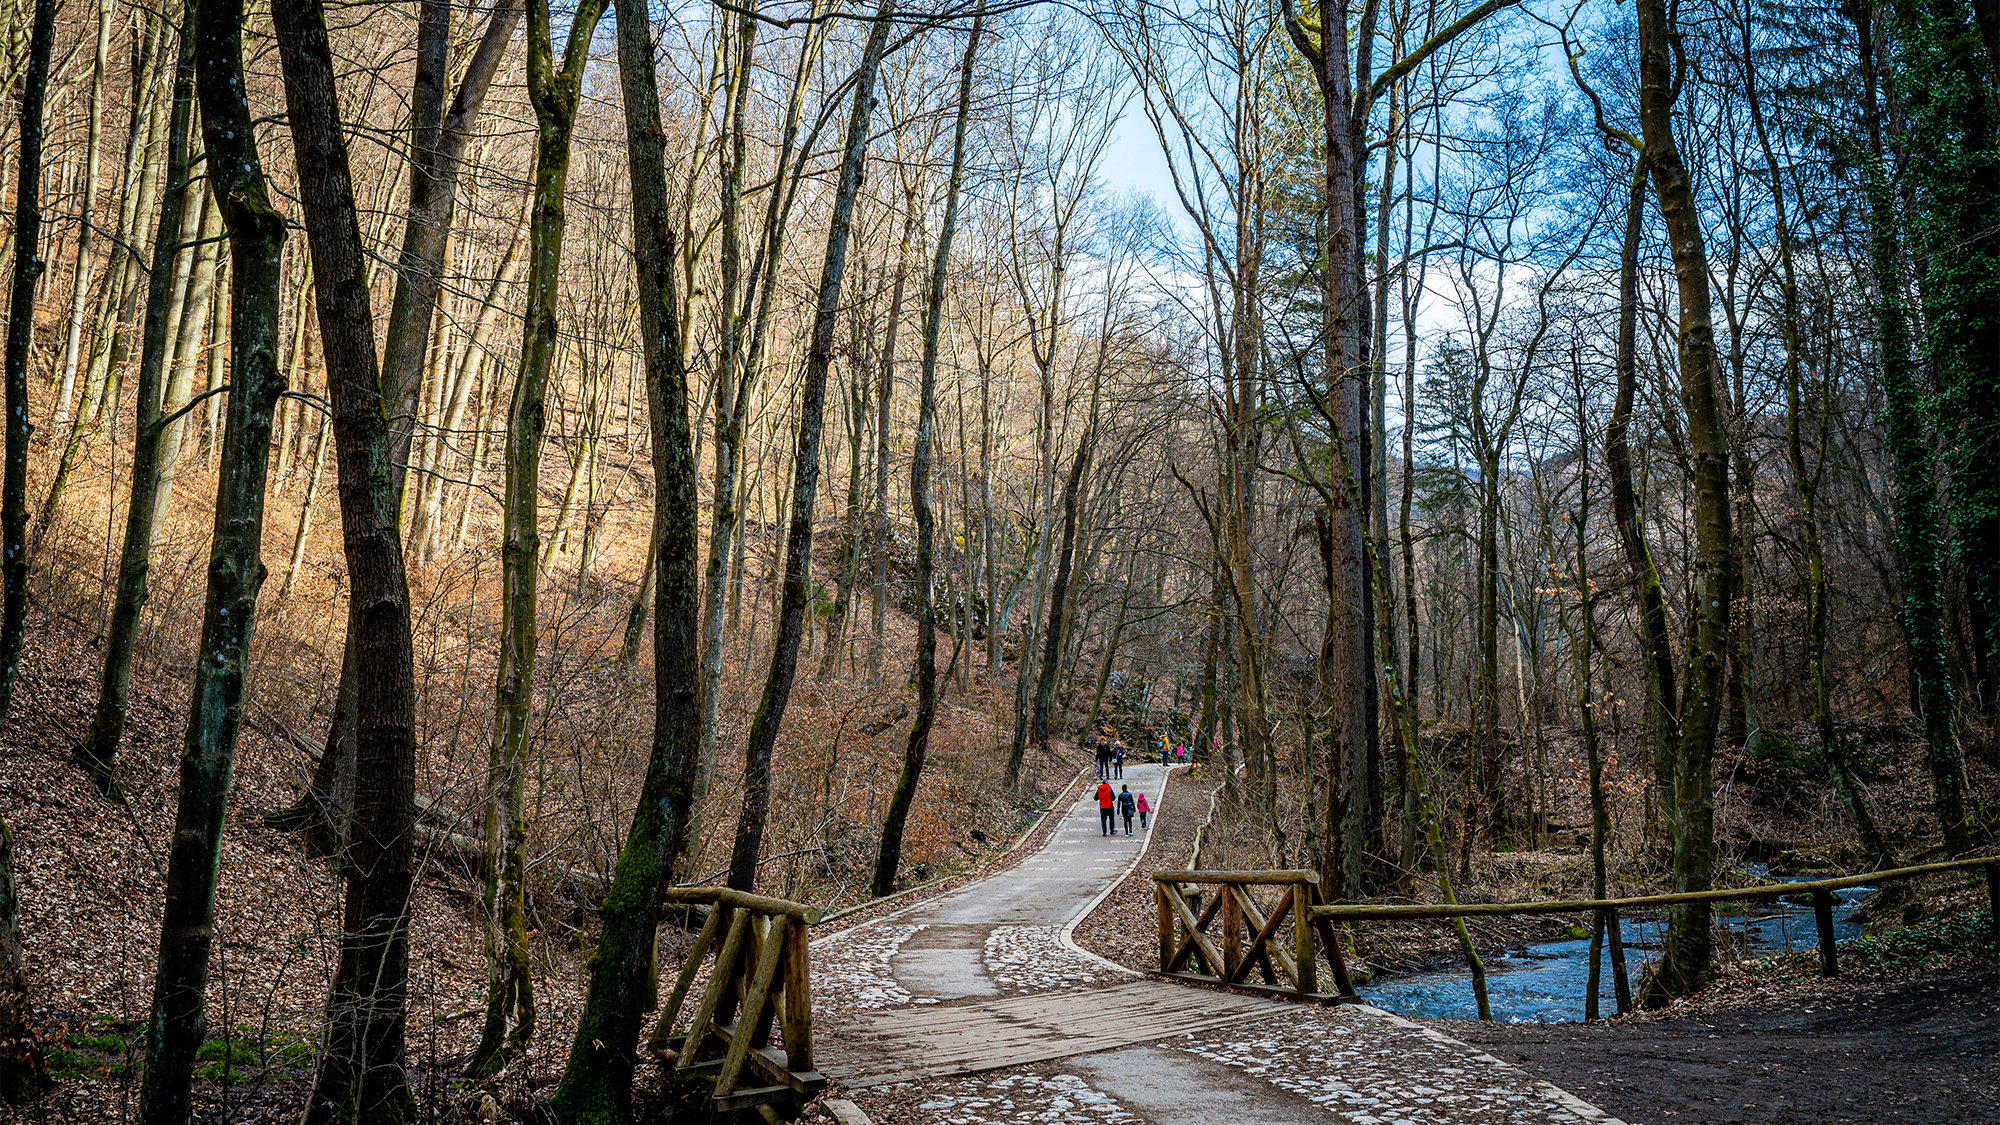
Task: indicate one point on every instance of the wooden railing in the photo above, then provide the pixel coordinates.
(1609, 910)
(1190, 930)
(759, 985)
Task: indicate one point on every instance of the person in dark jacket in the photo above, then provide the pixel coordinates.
(1126, 807)
(1103, 758)
(1105, 799)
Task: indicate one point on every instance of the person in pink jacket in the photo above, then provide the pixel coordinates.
(1144, 808)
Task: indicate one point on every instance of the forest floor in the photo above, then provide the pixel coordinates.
(1916, 1049)
(90, 874)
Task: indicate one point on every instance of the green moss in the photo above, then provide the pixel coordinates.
(63, 1061)
(227, 1058)
(1900, 948)
(102, 1044)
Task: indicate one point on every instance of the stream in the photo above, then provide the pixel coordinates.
(1545, 982)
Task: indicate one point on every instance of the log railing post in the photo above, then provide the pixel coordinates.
(1166, 912)
(797, 1019)
(1829, 954)
(1302, 933)
(1621, 983)
(1232, 932)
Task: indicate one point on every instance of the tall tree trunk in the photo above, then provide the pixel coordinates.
(23, 1074)
(920, 487)
(739, 363)
(235, 569)
(884, 394)
(437, 157)
(1662, 702)
(1347, 670)
(1805, 485)
(361, 1076)
(805, 471)
(1052, 653)
(28, 266)
(1684, 962)
(437, 152)
(86, 245)
(510, 1004)
(1583, 642)
(596, 1085)
(97, 751)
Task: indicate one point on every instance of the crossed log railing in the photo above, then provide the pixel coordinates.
(1204, 941)
(1820, 891)
(759, 987)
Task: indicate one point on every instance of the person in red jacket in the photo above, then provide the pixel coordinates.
(1105, 814)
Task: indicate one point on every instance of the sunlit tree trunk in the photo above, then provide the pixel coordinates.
(98, 749)
(805, 472)
(918, 746)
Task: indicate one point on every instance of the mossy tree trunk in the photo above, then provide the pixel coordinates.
(1950, 128)
(554, 92)
(1684, 962)
(596, 1085)
(177, 1024)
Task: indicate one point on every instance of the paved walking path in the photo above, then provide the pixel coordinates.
(977, 1008)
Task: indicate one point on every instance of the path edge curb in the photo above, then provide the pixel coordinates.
(845, 1112)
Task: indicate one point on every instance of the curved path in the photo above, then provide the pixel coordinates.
(976, 1007)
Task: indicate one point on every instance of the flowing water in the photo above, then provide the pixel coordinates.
(1545, 983)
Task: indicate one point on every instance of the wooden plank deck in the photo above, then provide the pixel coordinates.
(905, 1044)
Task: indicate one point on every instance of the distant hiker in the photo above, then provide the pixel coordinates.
(1165, 749)
(1103, 758)
(1143, 810)
(1118, 758)
(1180, 755)
(1126, 806)
(1105, 799)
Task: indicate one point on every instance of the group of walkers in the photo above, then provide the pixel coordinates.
(1124, 802)
(1111, 754)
